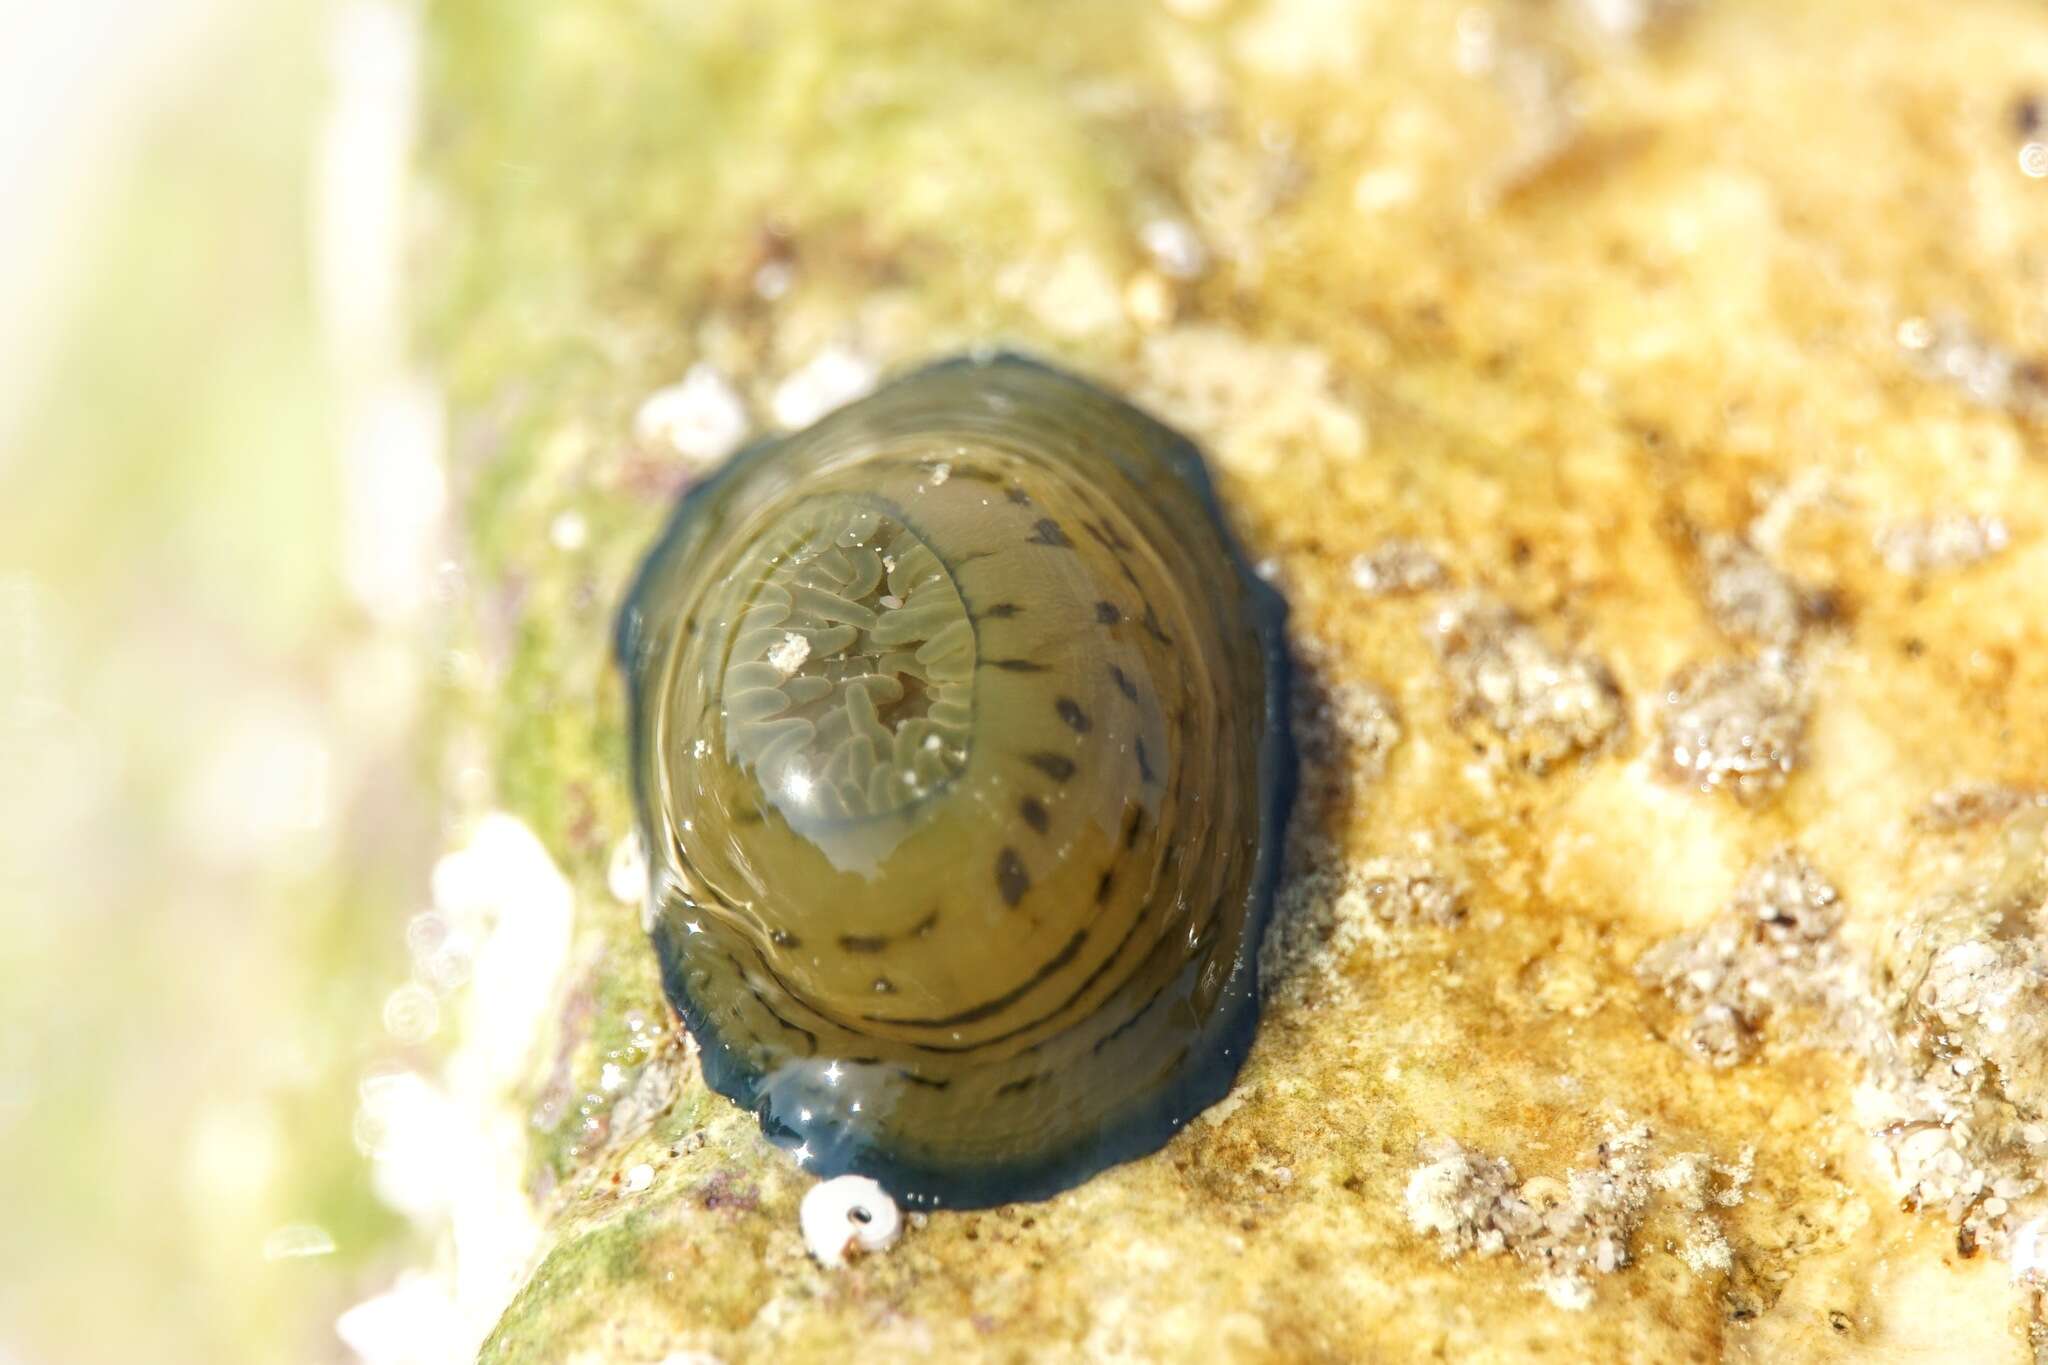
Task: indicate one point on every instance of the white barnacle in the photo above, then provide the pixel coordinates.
(848, 1214)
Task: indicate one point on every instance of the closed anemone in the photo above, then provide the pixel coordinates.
(959, 746)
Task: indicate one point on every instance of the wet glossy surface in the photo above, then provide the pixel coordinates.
(958, 737)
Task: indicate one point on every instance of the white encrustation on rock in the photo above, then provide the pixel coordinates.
(700, 418)
(848, 1214)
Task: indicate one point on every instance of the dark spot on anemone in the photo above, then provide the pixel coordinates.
(1109, 536)
(1070, 712)
(1058, 767)
(1046, 531)
(1034, 813)
(1011, 878)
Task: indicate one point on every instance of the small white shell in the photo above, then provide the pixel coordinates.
(850, 1211)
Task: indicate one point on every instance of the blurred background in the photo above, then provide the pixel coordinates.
(219, 509)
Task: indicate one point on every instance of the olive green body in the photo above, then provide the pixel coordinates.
(962, 768)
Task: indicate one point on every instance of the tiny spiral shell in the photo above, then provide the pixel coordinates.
(847, 1213)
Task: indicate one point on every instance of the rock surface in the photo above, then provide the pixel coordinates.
(1553, 359)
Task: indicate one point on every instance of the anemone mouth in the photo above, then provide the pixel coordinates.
(849, 686)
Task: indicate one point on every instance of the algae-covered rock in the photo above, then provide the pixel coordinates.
(1641, 407)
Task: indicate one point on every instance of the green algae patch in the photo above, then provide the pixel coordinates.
(567, 1292)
